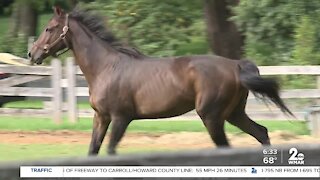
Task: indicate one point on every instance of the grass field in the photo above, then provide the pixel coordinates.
(39, 150)
(85, 124)
(16, 152)
(35, 104)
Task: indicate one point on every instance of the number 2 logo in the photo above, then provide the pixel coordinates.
(295, 155)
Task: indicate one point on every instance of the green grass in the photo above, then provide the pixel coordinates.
(85, 124)
(10, 152)
(38, 150)
(25, 104)
(36, 104)
(36, 124)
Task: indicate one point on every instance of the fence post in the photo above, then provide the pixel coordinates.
(317, 100)
(314, 121)
(30, 42)
(57, 91)
(71, 91)
(318, 82)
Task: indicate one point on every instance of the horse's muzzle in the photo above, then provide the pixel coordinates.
(35, 57)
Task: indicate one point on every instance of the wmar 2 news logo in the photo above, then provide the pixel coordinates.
(296, 157)
(272, 156)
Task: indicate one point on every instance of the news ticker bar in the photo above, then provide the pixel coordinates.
(169, 171)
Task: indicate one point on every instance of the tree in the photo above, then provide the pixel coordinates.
(24, 21)
(28, 17)
(24, 18)
(224, 37)
(157, 28)
(270, 29)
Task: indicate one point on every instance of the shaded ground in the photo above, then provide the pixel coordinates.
(181, 140)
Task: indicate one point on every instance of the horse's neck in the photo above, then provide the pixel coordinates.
(89, 54)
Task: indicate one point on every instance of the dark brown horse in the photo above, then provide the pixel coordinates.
(125, 85)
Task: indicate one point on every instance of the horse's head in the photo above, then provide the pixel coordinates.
(52, 39)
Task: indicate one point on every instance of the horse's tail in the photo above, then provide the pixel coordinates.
(262, 88)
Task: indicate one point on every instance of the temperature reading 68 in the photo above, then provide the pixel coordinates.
(269, 160)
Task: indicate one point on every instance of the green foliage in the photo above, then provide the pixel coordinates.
(281, 33)
(14, 45)
(270, 28)
(43, 6)
(156, 27)
(305, 50)
(267, 25)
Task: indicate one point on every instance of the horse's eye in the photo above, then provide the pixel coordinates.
(48, 30)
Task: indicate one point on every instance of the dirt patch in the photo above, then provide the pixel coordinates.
(181, 140)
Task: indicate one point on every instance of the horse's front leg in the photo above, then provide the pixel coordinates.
(119, 126)
(100, 126)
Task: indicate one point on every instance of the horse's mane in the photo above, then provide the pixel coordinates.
(97, 26)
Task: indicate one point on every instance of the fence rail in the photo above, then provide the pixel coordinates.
(289, 70)
(27, 70)
(285, 94)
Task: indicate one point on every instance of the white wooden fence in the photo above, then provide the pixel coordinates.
(24, 74)
(66, 78)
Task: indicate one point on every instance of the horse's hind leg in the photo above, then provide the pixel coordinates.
(247, 125)
(214, 122)
(240, 119)
(100, 126)
(215, 127)
(119, 126)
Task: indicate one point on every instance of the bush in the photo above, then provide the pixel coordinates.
(15, 45)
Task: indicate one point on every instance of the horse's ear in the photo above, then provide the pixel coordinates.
(58, 11)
